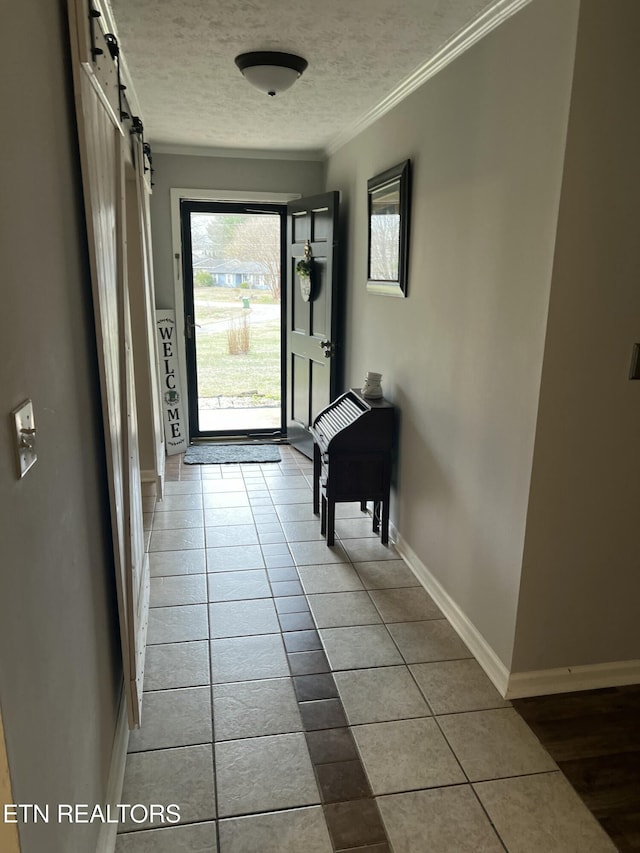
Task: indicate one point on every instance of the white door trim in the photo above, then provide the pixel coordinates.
(177, 195)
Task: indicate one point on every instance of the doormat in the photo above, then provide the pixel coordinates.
(222, 454)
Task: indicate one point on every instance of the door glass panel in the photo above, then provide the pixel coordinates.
(236, 261)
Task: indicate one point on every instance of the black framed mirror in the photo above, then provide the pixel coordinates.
(388, 222)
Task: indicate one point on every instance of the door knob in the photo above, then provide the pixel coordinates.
(329, 350)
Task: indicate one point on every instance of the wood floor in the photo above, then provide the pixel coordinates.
(594, 737)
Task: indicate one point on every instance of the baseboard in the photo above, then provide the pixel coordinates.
(516, 685)
(479, 647)
(148, 476)
(569, 679)
(108, 831)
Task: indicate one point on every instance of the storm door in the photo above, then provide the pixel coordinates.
(233, 275)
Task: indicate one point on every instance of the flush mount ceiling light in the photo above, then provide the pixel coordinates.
(270, 71)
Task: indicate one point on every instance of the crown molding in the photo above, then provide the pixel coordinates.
(312, 156)
(457, 44)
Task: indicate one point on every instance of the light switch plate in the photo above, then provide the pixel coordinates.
(25, 437)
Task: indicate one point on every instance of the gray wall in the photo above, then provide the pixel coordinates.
(581, 579)
(60, 675)
(462, 355)
(216, 173)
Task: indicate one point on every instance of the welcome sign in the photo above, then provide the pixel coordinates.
(175, 420)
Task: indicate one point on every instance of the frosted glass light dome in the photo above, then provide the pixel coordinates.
(270, 71)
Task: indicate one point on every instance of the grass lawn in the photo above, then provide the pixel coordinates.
(256, 374)
(208, 301)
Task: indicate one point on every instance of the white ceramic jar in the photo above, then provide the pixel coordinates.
(372, 387)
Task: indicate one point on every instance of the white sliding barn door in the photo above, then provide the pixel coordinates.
(103, 151)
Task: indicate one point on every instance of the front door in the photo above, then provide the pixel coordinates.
(233, 317)
(312, 314)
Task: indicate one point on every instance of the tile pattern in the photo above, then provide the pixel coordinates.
(315, 699)
(541, 812)
(594, 737)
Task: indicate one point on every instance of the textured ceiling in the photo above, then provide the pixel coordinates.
(180, 54)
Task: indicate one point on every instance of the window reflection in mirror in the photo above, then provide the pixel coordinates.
(385, 233)
(388, 215)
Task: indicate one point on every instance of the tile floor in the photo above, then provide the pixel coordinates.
(305, 699)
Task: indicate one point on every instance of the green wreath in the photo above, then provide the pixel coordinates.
(304, 267)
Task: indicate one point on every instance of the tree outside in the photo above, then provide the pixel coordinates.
(203, 279)
(253, 238)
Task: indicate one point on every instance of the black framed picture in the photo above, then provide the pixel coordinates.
(388, 222)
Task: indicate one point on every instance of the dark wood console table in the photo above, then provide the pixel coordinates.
(352, 446)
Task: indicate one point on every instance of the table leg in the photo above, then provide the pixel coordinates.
(331, 521)
(385, 521)
(376, 516)
(316, 479)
